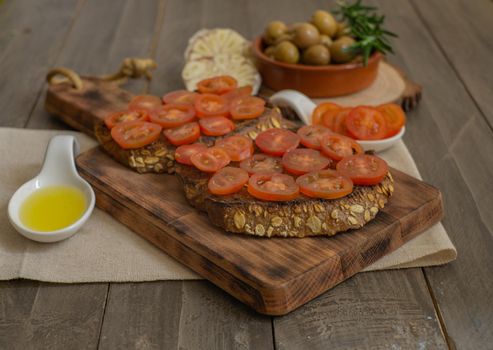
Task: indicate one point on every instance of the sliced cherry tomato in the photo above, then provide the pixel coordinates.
(238, 92)
(310, 135)
(181, 97)
(273, 187)
(363, 169)
(262, 164)
(135, 134)
(394, 116)
(216, 126)
(320, 110)
(146, 102)
(227, 180)
(218, 85)
(366, 123)
(334, 120)
(183, 135)
(303, 160)
(171, 115)
(184, 152)
(326, 184)
(124, 117)
(209, 105)
(246, 107)
(238, 147)
(210, 160)
(276, 142)
(337, 146)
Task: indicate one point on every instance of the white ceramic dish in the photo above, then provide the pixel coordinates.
(304, 106)
(58, 169)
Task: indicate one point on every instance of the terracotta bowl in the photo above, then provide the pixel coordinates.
(315, 81)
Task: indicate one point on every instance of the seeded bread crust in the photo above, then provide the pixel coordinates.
(305, 216)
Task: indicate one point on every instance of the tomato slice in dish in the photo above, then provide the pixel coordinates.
(238, 147)
(276, 142)
(303, 160)
(216, 126)
(184, 152)
(227, 180)
(320, 110)
(181, 97)
(363, 169)
(326, 184)
(210, 160)
(262, 164)
(334, 120)
(146, 102)
(125, 116)
(218, 85)
(246, 107)
(310, 135)
(238, 92)
(209, 105)
(183, 135)
(394, 116)
(273, 187)
(135, 134)
(337, 146)
(366, 123)
(172, 115)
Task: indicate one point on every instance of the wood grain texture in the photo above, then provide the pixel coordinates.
(37, 315)
(180, 315)
(369, 311)
(448, 138)
(274, 276)
(29, 47)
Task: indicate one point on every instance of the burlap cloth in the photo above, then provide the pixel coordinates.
(105, 250)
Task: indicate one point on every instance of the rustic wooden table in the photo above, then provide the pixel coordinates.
(446, 45)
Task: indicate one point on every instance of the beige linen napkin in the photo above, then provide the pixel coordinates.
(105, 250)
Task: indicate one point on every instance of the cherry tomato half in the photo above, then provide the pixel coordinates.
(184, 152)
(238, 147)
(183, 135)
(124, 117)
(366, 123)
(394, 116)
(326, 184)
(216, 126)
(363, 169)
(146, 102)
(310, 135)
(227, 180)
(172, 115)
(304, 160)
(210, 160)
(181, 97)
(238, 92)
(246, 107)
(273, 187)
(320, 110)
(334, 120)
(218, 85)
(276, 142)
(209, 105)
(337, 146)
(262, 164)
(135, 134)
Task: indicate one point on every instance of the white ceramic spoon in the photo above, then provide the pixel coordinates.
(58, 169)
(304, 107)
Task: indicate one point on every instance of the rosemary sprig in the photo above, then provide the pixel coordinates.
(367, 28)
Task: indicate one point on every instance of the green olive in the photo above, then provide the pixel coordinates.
(269, 51)
(316, 55)
(341, 51)
(305, 35)
(286, 52)
(284, 37)
(273, 31)
(326, 40)
(342, 30)
(325, 22)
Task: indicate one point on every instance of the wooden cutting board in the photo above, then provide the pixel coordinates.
(273, 276)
